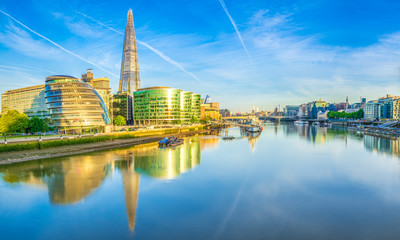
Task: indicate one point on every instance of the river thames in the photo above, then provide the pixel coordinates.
(290, 182)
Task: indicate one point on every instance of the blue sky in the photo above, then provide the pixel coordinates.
(297, 51)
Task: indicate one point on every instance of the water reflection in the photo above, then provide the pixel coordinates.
(320, 135)
(72, 179)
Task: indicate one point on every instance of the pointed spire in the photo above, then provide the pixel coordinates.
(130, 77)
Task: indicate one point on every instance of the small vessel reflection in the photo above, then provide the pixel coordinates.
(170, 142)
(300, 122)
(229, 138)
(325, 124)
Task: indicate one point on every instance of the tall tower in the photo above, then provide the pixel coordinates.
(130, 79)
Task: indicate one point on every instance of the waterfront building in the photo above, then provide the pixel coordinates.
(130, 77)
(340, 106)
(122, 106)
(372, 110)
(164, 105)
(102, 86)
(74, 105)
(209, 109)
(291, 110)
(28, 100)
(390, 107)
(225, 112)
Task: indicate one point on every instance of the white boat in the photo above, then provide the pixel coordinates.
(301, 123)
(315, 123)
(254, 129)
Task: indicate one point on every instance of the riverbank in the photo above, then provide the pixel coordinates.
(75, 149)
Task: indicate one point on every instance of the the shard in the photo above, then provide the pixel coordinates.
(130, 78)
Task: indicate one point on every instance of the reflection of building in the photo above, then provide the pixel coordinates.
(168, 163)
(71, 180)
(73, 104)
(29, 100)
(165, 105)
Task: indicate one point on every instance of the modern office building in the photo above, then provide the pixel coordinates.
(209, 109)
(372, 110)
(74, 105)
(29, 100)
(122, 106)
(130, 77)
(291, 110)
(390, 107)
(164, 105)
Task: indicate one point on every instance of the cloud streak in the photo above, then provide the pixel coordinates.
(236, 29)
(159, 53)
(59, 46)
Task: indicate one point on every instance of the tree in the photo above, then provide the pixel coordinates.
(194, 119)
(13, 122)
(36, 125)
(119, 121)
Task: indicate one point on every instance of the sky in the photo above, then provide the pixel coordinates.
(241, 53)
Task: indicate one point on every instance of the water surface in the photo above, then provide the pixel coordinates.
(287, 183)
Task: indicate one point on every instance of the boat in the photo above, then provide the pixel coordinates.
(254, 129)
(229, 138)
(301, 122)
(315, 123)
(325, 124)
(170, 142)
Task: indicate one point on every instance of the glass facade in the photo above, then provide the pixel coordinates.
(74, 103)
(164, 105)
(130, 78)
(122, 105)
(30, 100)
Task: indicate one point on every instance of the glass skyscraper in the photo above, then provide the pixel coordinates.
(130, 78)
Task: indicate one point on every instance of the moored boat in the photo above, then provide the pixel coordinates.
(170, 142)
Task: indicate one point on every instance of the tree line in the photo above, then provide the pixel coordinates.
(354, 115)
(16, 122)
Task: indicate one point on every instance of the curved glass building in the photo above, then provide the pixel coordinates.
(74, 104)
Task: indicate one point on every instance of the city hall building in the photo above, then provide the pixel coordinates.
(74, 105)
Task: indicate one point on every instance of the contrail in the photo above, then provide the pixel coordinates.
(159, 53)
(27, 69)
(236, 29)
(57, 45)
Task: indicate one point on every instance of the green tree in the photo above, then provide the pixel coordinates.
(194, 119)
(119, 121)
(36, 125)
(13, 122)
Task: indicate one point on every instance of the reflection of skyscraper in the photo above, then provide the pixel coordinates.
(131, 189)
(130, 79)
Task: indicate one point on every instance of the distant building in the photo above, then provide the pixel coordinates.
(340, 106)
(102, 86)
(209, 109)
(74, 105)
(164, 105)
(28, 100)
(390, 107)
(372, 110)
(322, 115)
(225, 112)
(122, 106)
(291, 110)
